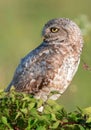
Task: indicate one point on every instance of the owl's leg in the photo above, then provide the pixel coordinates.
(40, 109)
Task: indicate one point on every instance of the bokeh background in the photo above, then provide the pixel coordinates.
(21, 22)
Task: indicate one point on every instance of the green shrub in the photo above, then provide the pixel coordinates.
(19, 111)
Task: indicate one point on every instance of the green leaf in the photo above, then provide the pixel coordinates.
(26, 99)
(31, 105)
(4, 120)
(39, 103)
(18, 114)
(87, 110)
(73, 117)
(53, 117)
(47, 109)
(41, 128)
(88, 120)
(78, 127)
(24, 110)
(31, 123)
(81, 127)
(55, 125)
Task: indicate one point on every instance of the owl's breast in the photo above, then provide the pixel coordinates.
(65, 74)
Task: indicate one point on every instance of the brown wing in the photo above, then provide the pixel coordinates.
(36, 69)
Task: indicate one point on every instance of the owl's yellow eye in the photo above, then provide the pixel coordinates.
(54, 29)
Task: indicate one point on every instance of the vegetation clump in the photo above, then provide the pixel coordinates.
(19, 111)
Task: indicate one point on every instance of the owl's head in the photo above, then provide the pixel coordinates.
(61, 30)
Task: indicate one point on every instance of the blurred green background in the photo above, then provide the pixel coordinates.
(21, 22)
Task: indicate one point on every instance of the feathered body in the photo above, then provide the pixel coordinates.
(53, 64)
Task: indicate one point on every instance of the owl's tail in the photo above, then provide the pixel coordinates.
(8, 88)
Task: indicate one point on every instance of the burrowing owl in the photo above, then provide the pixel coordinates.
(53, 64)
